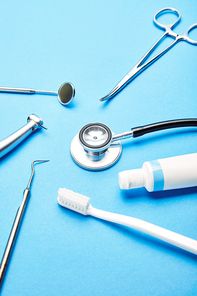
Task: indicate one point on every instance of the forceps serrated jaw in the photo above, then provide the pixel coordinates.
(119, 86)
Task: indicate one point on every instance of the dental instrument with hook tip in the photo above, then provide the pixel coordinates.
(16, 225)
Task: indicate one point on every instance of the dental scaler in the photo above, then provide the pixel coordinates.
(16, 225)
(162, 174)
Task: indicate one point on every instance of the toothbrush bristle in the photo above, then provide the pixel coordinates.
(73, 201)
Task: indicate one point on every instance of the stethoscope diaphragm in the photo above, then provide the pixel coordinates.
(91, 148)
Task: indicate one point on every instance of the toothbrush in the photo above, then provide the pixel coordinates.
(81, 204)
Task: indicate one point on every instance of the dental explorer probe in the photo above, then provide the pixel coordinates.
(65, 93)
(16, 225)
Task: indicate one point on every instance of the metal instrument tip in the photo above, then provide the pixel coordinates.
(104, 98)
(42, 126)
(32, 174)
(114, 91)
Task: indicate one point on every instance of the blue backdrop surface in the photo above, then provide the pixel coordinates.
(93, 44)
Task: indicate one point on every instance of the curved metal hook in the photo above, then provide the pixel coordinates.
(32, 174)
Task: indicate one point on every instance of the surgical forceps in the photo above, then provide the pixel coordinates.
(142, 65)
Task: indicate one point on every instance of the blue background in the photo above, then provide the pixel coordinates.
(93, 44)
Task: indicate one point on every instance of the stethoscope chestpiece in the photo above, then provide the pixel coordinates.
(95, 138)
(92, 147)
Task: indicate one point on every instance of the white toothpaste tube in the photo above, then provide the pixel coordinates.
(162, 174)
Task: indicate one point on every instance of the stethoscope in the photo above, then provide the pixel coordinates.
(96, 147)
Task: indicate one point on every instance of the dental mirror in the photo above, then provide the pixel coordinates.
(96, 147)
(65, 93)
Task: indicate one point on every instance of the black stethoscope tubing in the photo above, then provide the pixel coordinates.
(136, 131)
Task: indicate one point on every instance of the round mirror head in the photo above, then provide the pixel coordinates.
(95, 136)
(66, 93)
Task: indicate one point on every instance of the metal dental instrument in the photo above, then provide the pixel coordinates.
(142, 64)
(96, 148)
(33, 123)
(65, 93)
(16, 225)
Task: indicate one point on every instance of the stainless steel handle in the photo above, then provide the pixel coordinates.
(17, 90)
(26, 91)
(16, 226)
(13, 235)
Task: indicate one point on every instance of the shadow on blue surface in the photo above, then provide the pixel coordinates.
(130, 194)
(150, 241)
(141, 237)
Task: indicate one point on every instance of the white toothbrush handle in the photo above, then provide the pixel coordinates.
(168, 236)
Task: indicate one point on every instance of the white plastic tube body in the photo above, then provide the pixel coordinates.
(162, 174)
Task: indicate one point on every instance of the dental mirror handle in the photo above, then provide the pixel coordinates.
(25, 91)
(6, 145)
(149, 128)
